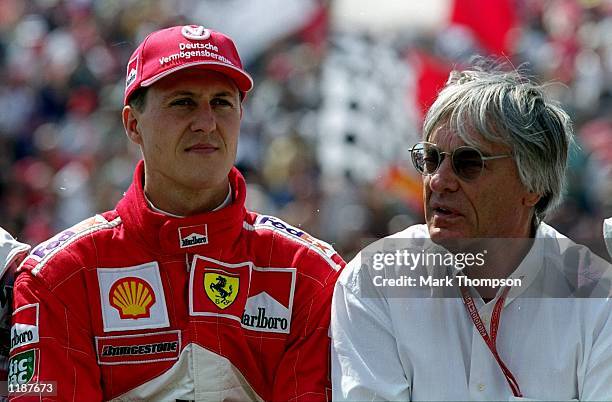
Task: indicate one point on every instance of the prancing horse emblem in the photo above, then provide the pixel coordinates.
(221, 289)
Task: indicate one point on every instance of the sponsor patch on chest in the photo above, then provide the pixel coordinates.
(132, 298)
(260, 299)
(192, 236)
(217, 288)
(141, 348)
(270, 302)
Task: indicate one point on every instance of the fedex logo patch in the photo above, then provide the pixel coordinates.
(61, 239)
(25, 326)
(190, 236)
(324, 249)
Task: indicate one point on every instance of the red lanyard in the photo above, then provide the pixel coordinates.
(490, 340)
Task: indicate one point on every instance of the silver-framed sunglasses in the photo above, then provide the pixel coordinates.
(467, 161)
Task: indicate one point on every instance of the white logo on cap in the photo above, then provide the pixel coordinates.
(132, 72)
(195, 32)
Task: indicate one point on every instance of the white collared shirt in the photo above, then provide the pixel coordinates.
(393, 348)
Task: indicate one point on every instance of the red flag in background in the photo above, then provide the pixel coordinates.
(431, 75)
(316, 30)
(489, 20)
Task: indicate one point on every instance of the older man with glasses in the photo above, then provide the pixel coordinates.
(485, 301)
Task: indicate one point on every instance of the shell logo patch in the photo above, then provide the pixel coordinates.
(221, 289)
(132, 297)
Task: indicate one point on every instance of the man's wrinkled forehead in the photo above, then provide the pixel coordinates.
(448, 138)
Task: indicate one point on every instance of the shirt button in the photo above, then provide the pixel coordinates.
(481, 387)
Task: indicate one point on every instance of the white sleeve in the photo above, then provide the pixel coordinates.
(607, 233)
(365, 361)
(597, 382)
(11, 251)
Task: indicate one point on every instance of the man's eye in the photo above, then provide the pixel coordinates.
(182, 102)
(221, 102)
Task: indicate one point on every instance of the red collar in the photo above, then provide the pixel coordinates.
(197, 234)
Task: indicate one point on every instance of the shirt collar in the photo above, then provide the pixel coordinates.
(527, 270)
(213, 231)
(227, 201)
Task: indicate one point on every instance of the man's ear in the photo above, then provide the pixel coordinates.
(130, 124)
(531, 199)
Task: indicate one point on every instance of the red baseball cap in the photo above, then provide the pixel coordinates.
(172, 49)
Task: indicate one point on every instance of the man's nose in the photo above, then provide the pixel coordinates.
(444, 179)
(204, 119)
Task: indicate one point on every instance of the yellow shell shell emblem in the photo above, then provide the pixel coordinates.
(133, 297)
(221, 289)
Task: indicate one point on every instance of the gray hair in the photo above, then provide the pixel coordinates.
(505, 107)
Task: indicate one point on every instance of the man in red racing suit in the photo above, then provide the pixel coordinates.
(145, 303)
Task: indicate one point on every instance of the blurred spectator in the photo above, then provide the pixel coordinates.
(326, 130)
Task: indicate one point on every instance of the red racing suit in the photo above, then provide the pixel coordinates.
(136, 305)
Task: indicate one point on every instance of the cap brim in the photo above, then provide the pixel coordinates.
(243, 81)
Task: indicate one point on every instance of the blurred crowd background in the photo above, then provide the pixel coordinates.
(340, 90)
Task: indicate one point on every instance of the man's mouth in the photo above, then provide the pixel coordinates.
(443, 215)
(443, 211)
(202, 148)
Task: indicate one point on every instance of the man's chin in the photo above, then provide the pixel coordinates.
(441, 233)
(452, 239)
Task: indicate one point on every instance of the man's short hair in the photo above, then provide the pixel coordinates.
(506, 107)
(138, 99)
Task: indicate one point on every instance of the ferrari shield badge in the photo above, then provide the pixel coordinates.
(221, 289)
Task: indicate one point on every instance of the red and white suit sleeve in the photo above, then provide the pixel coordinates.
(64, 353)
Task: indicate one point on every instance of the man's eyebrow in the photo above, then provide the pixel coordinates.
(184, 92)
(225, 93)
(173, 94)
